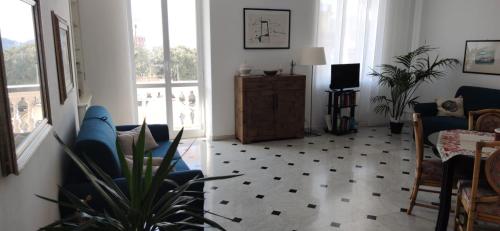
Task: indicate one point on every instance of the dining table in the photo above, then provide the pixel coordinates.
(455, 148)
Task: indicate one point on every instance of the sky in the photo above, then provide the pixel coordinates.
(20, 13)
(146, 14)
(182, 22)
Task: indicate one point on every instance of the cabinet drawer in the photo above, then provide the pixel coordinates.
(291, 83)
(257, 84)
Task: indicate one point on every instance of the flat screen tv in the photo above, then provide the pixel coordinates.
(345, 76)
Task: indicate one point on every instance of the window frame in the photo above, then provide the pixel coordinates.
(12, 157)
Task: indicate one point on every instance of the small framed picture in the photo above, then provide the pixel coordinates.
(482, 57)
(64, 63)
(266, 28)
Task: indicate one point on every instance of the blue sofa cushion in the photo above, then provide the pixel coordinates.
(433, 124)
(97, 140)
(477, 98)
(161, 150)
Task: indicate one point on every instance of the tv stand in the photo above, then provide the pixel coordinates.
(342, 111)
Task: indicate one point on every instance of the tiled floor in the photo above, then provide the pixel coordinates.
(353, 182)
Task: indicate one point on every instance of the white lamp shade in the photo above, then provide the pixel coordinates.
(312, 56)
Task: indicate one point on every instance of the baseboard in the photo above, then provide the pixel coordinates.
(223, 137)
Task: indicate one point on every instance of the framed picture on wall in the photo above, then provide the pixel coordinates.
(266, 28)
(482, 57)
(62, 41)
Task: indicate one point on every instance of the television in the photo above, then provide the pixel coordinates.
(344, 76)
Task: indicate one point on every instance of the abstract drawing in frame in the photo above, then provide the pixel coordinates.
(266, 28)
(482, 57)
(63, 56)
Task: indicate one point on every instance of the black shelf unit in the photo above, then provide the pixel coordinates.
(342, 120)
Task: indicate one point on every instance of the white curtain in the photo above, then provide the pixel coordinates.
(351, 32)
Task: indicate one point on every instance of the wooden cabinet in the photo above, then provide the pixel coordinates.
(269, 108)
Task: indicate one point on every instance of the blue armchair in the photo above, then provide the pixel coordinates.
(475, 98)
(97, 139)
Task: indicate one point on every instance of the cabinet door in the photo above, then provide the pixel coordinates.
(289, 115)
(259, 115)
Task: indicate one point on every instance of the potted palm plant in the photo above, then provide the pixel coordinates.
(403, 78)
(143, 207)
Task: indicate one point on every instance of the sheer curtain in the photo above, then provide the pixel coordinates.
(351, 32)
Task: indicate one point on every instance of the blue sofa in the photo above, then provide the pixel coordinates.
(97, 139)
(475, 98)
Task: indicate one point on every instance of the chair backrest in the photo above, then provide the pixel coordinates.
(477, 166)
(486, 120)
(492, 170)
(419, 140)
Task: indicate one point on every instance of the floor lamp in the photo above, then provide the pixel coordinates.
(312, 56)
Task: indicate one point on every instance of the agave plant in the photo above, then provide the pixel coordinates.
(145, 209)
(404, 77)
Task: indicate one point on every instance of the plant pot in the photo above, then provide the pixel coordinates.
(396, 127)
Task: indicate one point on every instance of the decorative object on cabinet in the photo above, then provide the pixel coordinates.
(64, 61)
(266, 28)
(292, 67)
(245, 69)
(270, 72)
(268, 108)
(481, 57)
(312, 56)
(342, 111)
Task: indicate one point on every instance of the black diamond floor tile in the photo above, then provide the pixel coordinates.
(335, 224)
(237, 219)
(276, 213)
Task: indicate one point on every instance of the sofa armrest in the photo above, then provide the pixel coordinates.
(159, 131)
(83, 190)
(426, 109)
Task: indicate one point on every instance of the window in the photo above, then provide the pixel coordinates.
(23, 87)
(167, 64)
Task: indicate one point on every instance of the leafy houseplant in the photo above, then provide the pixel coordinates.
(145, 209)
(403, 79)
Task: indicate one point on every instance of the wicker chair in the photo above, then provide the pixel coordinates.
(480, 201)
(428, 172)
(486, 120)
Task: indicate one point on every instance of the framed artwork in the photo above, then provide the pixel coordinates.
(482, 57)
(266, 28)
(63, 56)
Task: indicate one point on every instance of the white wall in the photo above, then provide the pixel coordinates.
(227, 53)
(447, 24)
(106, 41)
(207, 66)
(19, 208)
